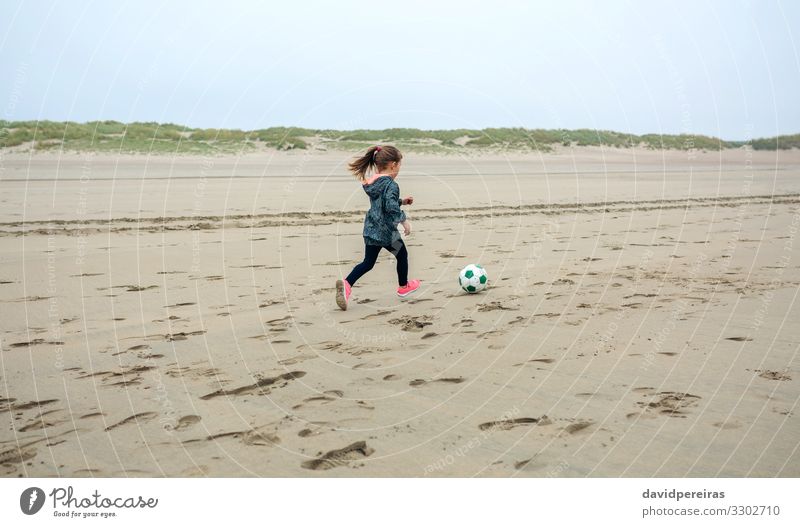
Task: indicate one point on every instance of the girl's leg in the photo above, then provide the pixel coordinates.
(370, 257)
(401, 253)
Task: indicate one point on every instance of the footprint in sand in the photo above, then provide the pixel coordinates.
(340, 457)
(261, 387)
(327, 345)
(139, 347)
(196, 371)
(525, 463)
(252, 437)
(257, 438)
(672, 404)
(449, 380)
(180, 304)
(727, 425)
(296, 360)
(186, 421)
(378, 314)
(122, 377)
(327, 397)
(139, 419)
(418, 300)
(310, 432)
(373, 364)
(138, 288)
(577, 426)
(170, 337)
(9, 405)
(774, 375)
(508, 424)
(34, 298)
(40, 423)
(279, 324)
(542, 360)
(494, 306)
(412, 323)
(36, 342)
(16, 455)
(183, 335)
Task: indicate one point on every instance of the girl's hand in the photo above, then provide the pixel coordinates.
(408, 201)
(406, 227)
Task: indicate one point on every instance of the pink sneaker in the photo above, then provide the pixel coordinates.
(409, 288)
(342, 294)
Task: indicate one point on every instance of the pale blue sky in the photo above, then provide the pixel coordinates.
(729, 69)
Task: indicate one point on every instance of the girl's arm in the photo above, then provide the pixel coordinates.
(392, 203)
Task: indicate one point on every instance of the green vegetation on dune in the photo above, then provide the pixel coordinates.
(151, 137)
(781, 142)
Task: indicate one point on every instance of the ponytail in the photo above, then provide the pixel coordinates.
(376, 157)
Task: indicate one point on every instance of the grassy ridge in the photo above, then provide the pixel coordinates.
(150, 137)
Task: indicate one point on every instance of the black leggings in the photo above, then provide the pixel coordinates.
(398, 249)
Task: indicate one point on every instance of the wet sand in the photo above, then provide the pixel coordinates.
(175, 317)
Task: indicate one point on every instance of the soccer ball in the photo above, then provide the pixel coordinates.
(473, 278)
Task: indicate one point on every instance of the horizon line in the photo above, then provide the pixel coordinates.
(522, 128)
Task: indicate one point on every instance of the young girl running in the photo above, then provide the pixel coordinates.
(383, 216)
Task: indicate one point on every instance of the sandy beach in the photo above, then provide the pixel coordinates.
(175, 317)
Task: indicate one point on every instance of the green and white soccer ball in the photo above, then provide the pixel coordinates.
(473, 278)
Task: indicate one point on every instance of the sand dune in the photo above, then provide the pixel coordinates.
(640, 321)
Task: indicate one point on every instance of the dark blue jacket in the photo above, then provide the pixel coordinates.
(384, 214)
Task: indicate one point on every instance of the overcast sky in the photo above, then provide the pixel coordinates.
(728, 69)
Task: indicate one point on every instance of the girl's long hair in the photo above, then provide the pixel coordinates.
(376, 157)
